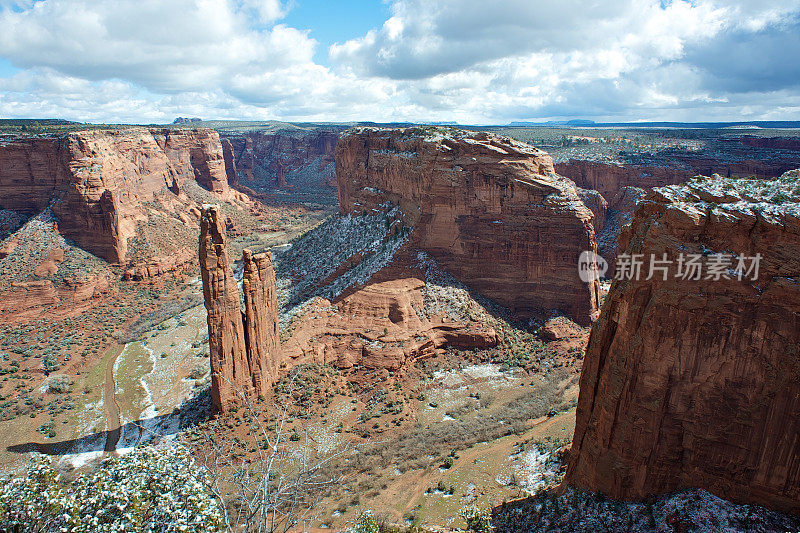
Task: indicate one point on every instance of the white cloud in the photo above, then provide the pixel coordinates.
(464, 60)
(170, 46)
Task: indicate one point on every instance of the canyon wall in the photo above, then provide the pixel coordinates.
(490, 209)
(609, 179)
(292, 165)
(618, 213)
(739, 157)
(695, 383)
(31, 170)
(97, 181)
(770, 143)
(244, 347)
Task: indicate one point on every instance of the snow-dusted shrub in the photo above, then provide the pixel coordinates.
(151, 489)
(58, 383)
(478, 520)
(367, 523)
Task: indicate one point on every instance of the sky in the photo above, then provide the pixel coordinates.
(465, 61)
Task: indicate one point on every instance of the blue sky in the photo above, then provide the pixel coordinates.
(6, 68)
(468, 61)
(331, 21)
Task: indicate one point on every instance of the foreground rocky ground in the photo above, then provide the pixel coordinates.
(695, 510)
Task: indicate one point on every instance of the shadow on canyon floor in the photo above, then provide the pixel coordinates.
(191, 412)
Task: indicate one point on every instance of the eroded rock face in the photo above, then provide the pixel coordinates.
(696, 384)
(294, 163)
(229, 368)
(31, 299)
(261, 319)
(490, 209)
(597, 205)
(609, 179)
(618, 213)
(156, 267)
(31, 170)
(379, 326)
(97, 181)
(243, 346)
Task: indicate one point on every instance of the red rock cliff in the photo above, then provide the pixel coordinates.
(243, 346)
(302, 161)
(97, 180)
(609, 179)
(490, 209)
(697, 383)
(30, 172)
(261, 319)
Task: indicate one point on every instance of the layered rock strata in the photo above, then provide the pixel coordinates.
(97, 181)
(695, 383)
(260, 319)
(608, 179)
(490, 209)
(244, 346)
(380, 326)
(287, 165)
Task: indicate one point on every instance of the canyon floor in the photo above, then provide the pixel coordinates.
(461, 427)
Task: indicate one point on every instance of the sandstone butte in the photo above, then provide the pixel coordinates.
(244, 347)
(96, 181)
(696, 384)
(490, 209)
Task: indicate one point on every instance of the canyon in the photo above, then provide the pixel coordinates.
(609, 179)
(491, 210)
(126, 199)
(695, 383)
(431, 305)
(289, 165)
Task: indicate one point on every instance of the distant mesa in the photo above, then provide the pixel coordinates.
(184, 120)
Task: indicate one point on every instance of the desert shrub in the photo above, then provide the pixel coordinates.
(58, 383)
(48, 429)
(367, 523)
(198, 372)
(149, 489)
(478, 520)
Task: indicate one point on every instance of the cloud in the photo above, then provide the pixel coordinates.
(180, 45)
(424, 38)
(431, 60)
(751, 61)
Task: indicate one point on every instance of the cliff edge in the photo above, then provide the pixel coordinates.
(692, 377)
